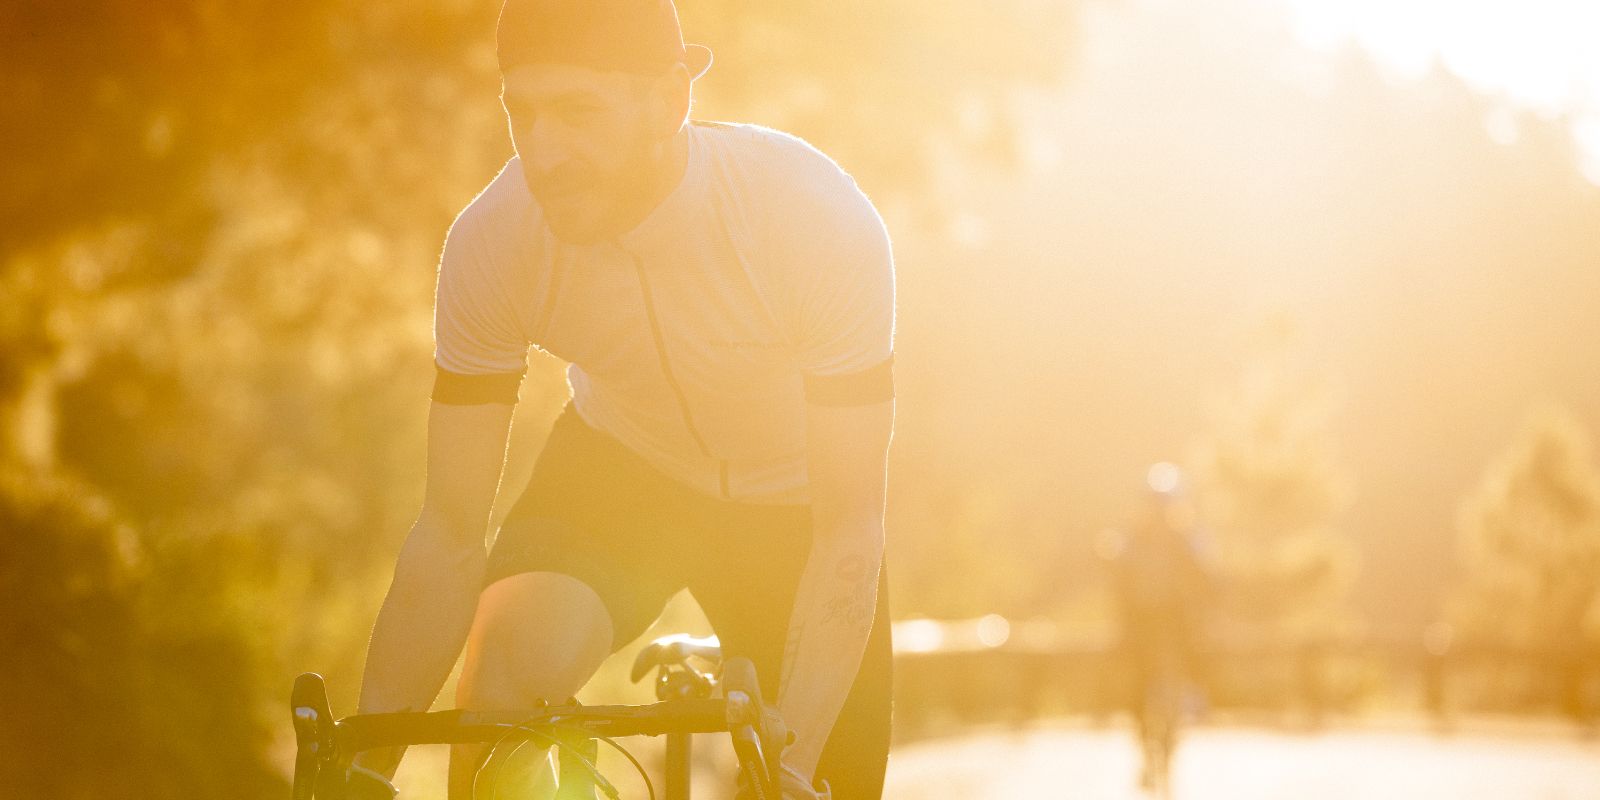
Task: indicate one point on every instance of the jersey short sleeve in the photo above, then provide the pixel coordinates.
(480, 349)
(845, 296)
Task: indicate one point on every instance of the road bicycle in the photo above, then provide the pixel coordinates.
(1161, 699)
(688, 674)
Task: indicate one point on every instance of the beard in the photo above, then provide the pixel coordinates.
(584, 203)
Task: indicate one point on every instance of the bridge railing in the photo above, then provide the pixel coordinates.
(952, 673)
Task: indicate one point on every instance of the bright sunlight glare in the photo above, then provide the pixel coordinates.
(1537, 55)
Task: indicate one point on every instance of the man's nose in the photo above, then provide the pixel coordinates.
(544, 147)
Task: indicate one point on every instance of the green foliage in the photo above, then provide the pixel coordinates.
(965, 543)
(228, 337)
(125, 673)
(890, 88)
(1530, 540)
(1271, 488)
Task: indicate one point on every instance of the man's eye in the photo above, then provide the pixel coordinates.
(578, 110)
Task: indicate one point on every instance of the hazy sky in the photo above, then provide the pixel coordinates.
(1538, 55)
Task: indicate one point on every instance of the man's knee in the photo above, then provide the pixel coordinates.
(536, 636)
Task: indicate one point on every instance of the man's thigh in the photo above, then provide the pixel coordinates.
(629, 585)
(592, 510)
(535, 636)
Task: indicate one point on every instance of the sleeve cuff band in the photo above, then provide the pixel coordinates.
(455, 389)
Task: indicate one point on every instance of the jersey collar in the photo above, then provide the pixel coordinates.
(671, 220)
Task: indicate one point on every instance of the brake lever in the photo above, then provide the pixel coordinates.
(776, 733)
(744, 722)
(313, 732)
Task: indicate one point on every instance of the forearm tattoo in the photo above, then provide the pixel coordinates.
(849, 602)
(791, 648)
(856, 578)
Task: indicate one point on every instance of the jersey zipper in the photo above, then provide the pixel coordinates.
(666, 372)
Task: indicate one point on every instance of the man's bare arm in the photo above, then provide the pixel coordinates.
(847, 454)
(428, 612)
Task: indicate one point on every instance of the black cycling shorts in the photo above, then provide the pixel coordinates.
(596, 511)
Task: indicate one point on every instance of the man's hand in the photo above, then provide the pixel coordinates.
(791, 785)
(364, 784)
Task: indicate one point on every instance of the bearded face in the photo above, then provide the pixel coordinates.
(587, 140)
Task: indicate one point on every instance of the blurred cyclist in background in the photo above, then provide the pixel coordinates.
(1163, 585)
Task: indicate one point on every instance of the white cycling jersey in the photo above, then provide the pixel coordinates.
(762, 282)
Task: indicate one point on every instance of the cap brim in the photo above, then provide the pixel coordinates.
(697, 58)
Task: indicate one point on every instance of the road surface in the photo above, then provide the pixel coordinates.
(1254, 764)
(1360, 761)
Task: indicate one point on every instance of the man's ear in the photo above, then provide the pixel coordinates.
(675, 95)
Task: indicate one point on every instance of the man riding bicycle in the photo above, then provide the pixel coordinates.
(724, 296)
(1163, 584)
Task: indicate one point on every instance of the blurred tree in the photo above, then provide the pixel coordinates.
(116, 682)
(1271, 489)
(122, 122)
(890, 88)
(1530, 548)
(218, 270)
(958, 530)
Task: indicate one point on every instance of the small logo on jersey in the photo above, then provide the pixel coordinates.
(744, 344)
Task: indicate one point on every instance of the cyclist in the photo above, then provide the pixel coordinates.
(724, 296)
(1162, 585)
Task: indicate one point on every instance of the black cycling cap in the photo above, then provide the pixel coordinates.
(640, 36)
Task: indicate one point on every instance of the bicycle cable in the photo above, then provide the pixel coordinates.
(611, 791)
(601, 782)
(477, 775)
(548, 741)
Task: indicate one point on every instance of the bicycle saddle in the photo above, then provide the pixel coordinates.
(675, 650)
